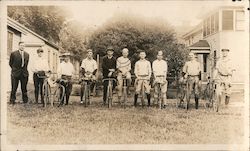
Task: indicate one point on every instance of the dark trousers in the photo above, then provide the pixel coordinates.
(38, 83)
(92, 85)
(14, 85)
(105, 88)
(68, 89)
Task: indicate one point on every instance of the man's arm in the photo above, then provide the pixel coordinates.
(135, 70)
(149, 70)
(11, 60)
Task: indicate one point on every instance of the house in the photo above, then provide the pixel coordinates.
(225, 27)
(17, 32)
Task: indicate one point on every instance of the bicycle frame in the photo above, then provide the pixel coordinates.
(86, 84)
(46, 90)
(109, 90)
(143, 91)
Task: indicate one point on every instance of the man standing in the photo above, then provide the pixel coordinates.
(223, 72)
(65, 72)
(88, 69)
(39, 68)
(160, 69)
(123, 67)
(143, 73)
(108, 68)
(18, 62)
(192, 72)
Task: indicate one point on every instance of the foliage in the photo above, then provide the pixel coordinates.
(139, 33)
(47, 21)
(73, 38)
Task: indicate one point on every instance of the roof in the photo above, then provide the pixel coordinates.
(14, 24)
(201, 46)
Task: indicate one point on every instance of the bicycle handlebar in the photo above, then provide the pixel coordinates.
(107, 79)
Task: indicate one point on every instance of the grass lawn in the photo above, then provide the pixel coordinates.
(75, 124)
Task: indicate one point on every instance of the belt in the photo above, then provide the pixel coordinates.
(193, 75)
(66, 76)
(224, 75)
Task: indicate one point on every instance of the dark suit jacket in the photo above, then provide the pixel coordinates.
(16, 64)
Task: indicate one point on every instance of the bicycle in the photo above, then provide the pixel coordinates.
(85, 85)
(46, 89)
(159, 87)
(124, 90)
(142, 93)
(181, 92)
(59, 91)
(109, 90)
(211, 94)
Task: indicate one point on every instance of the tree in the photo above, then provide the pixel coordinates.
(73, 38)
(140, 33)
(47, 21)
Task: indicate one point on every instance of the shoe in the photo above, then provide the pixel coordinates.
(81, 102)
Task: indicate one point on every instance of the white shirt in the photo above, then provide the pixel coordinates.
(66, 69)
(40, 64)
(123, 64)
(143, 67)
(160, 67)
(224, 66)
(22, 55)
(192, 68)
(90, 65)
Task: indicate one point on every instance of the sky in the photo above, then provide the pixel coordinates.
(177, 13)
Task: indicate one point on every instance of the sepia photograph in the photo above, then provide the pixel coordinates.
(125, 75)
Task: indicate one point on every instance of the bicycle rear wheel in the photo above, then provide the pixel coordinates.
(109, 94)
(125, 96)
(46, 93)
(59, 94)
(187, 96)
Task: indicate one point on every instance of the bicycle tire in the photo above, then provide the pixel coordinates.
(216, 100)
(44, 90)
(187, 96)
(85, 94)
(109, 95)
(125, 96)
(59, 94)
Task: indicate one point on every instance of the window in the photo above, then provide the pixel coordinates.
(240, 21)
(9, 43)
(212, 24)
(208, 26)
(215, 57)
(216, 22)
(205, 62)
(227, 20)
(204, 28)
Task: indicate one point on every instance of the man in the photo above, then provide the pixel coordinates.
(142, 71)
(88, 69)
(65, 72)
(18, 62)
(39, 68)
(192, 72)
(123, 65)
(223, 72)
(160, 69)
(108, 68)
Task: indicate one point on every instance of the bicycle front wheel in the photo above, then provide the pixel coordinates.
(46, 93)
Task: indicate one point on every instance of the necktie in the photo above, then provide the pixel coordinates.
(22, 58)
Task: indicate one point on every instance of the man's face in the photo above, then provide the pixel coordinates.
(66, 59)
(159, 57)
(40, 54)
(191, 56)
(142, 55)
(90, 55)
(110, 53)
(125, 54)
(224, 53)
(21, 46)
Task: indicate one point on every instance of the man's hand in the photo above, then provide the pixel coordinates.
(112, 70)
(185, 76)
(110, 74)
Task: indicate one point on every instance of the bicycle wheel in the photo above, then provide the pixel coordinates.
(125, 96)
(216, 100)
(109, 95)
(59, 94)
(46, 93)
(187, 96)
(85, 94)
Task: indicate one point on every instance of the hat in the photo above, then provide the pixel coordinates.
(225, 50)
(160, 53)
(110, 48)
(89, 50)
(65, 54)
(39, 50)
